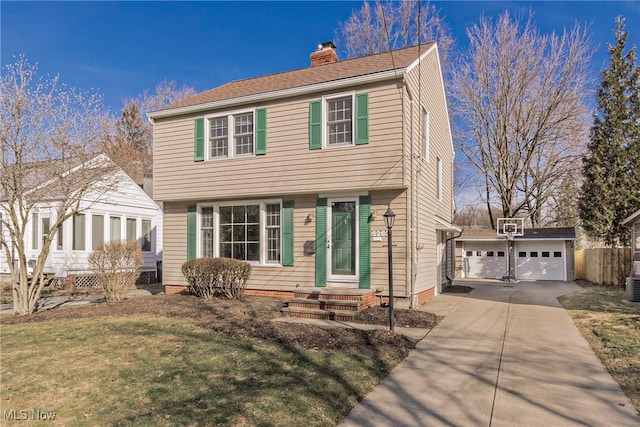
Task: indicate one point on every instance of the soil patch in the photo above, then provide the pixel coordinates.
(250, 317)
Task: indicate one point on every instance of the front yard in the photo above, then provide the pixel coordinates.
(177, 360)
(611, 325)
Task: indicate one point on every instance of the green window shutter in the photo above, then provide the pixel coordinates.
(315, 125)
(261, 131)
(287, 233)
(192, 226)
(198, 145)
(321, 242)
(362, 118)
(364, 226)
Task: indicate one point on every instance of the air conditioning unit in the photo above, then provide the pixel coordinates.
(636, 268)
(633, 289)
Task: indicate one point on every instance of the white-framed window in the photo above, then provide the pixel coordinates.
(339, 120)
(145, 244)
(97, 231)
(426, 131)
(115, 228)
(231, 134)
(439, 178)
(132, 230)
(60, 237)
(248, 231)
(78, 232)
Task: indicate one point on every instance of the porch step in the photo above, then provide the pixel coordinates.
(306, 313)
(328, 303)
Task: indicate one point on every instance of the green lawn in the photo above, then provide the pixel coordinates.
(611, 325)
(154, 370)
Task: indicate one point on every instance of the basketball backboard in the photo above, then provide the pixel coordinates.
(510, 227)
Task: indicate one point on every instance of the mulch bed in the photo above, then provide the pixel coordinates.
(250, 317)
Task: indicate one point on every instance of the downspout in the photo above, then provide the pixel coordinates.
(413, 242)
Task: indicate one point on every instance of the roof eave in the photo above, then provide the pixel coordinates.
(283, 93)
(631, 218)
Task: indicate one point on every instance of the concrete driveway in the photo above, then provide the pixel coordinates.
(503, 356)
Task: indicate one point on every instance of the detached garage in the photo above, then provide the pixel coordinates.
(539, 254)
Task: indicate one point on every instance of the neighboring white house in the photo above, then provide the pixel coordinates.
(125, 212)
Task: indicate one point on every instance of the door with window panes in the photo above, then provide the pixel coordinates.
(342, 240)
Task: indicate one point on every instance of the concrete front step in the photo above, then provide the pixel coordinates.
(305, 313)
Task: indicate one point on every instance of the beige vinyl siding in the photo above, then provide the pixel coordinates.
(303, 271)
(262, 277)
(423, 199)
(289, 167)
(379, 250)
(174, 243)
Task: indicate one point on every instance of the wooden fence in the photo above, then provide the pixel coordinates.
(604, 266)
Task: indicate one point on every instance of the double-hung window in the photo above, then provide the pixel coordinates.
(231, 135)
(248, 232)
(339, 120)
(219, 137)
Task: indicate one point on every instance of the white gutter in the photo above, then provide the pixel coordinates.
(283, 93)
(445, 225)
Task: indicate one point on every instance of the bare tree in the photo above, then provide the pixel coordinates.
(131, 145)
(48, 135)
(382, 26)
(519, 98)
(474, 216)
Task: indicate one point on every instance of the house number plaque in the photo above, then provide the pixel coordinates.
(377, 235)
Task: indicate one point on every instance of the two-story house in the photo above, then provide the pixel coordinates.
(293, 172)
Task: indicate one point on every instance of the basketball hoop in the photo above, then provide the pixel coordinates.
(510, 235)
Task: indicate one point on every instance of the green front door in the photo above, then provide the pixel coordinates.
(343, 232)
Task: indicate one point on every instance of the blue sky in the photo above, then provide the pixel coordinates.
(123, 48)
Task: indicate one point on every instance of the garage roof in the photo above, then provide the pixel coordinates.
(556, 233)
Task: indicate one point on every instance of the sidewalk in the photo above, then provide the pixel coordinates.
(48, 303)
(503, 356)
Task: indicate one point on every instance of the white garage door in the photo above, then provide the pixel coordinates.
(485, 260)
(540, 260)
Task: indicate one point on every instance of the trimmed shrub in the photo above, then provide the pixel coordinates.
(210, 277)
(115, 265)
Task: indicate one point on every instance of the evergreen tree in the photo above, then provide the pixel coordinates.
(130, 146)
(611, 188)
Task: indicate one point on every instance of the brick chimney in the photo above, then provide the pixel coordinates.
(325, 54)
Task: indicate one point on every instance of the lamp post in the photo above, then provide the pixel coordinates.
(389, 219)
